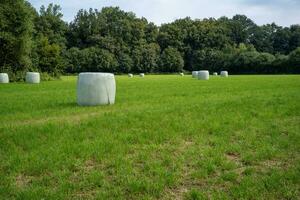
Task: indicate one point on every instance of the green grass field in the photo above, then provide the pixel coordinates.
(167, 137)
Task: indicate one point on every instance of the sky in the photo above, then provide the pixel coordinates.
(282, 12)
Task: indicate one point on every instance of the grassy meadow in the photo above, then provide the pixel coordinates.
(167, 137)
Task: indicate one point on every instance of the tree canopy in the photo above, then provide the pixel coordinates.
(113, 40)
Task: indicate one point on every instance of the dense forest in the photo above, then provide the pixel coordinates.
(111, 40)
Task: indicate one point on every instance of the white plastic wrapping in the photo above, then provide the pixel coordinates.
(215, 74)
(142, 75)
(32, 77)
(4, 78)
(96, 89)
(203, 75)
(195, 74)
(224, 73)
(130, 75)
(181, 74)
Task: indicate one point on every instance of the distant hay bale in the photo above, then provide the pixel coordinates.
(181, 74)
(224, 74)
(96, 89)
(215, 74)
(195, 74)
(142, 75)
(203, 75)
(130, 75)
(4, 78)
(33, 77)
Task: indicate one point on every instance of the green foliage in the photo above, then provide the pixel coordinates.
(101, 60)
(280, 63)
(281, 40)
(15, 35)
(208, 59)
(90, 59)
(73, 59)
(31, 40)
(49, 24)
(48, 76)
(262, 37)
(295, 57)
(90, 26)
(294, 37)
(113, 40)
(294, 60)
(146, 57)
(171, 60)
(241, 28)
(125, 62)
(174, 34)
(49, 41)
(49, 57)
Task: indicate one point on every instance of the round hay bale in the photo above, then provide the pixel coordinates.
(195, 74)
(203, 75)
(224, 73)
(215, 74)
(142, 75)
(181, 74)
(33, 77)
(130, 75)
(96, 89)
(4, 78)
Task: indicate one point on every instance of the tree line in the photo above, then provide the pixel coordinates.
(112, 40)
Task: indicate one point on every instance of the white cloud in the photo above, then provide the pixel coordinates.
(282, 12)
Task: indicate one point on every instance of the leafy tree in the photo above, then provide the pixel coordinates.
(294, 37)
(171, 60)
(49, 24)
(281, 40)
(241, 28)
(97, 60)
(15, 35)
(244, 62)
(281, 64)
(294, 60)
(49, 57)
(49, 40)
(73, 59)
(91, 60)
(125, 62)
(208, 34)
(83, 27)
(113, 40)
(145, 57)
(262, 37)
(151, 33)
(174, 34)
(208, 59)
(264, 63)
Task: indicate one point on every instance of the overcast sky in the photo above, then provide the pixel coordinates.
(282, 12)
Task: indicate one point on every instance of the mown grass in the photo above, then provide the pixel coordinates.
(167, 137)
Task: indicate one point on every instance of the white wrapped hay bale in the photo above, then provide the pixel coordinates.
(142, 75)
(96, 89)
(195, 74)
(130, 75)
(224, 73)
(215, 74)
(4, 78)
(32, 77)
(181, 74)
(203, 75)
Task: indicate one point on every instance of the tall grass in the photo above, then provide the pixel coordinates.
(167, 137)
